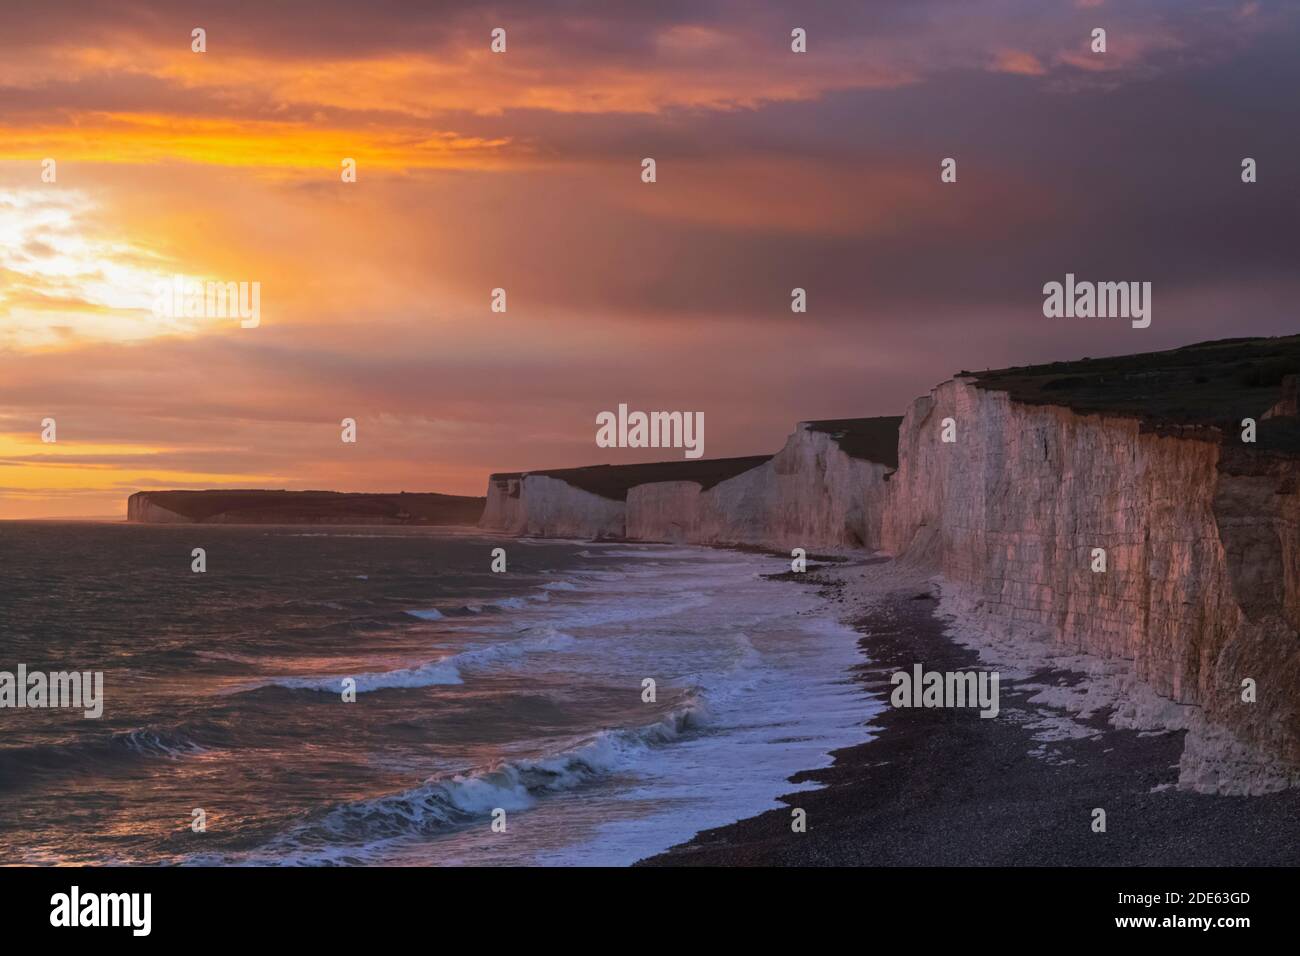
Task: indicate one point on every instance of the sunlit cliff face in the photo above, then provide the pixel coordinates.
(520, 170)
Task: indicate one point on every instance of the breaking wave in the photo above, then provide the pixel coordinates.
(439, 805)
(446, 670)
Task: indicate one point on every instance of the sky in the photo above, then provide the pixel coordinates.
(522, 170)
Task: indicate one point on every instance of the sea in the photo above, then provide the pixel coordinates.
(380, 696)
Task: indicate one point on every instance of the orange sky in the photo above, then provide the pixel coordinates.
(521, 171)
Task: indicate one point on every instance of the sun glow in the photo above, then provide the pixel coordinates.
(67, 276)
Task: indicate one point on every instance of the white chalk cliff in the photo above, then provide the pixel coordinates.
(141, 507)
(542, 506)
(1199, 599)
(1200, 586)
(811, 494)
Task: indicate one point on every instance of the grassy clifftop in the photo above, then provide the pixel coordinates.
(870, 439)
(1208, 385)
(614, 481)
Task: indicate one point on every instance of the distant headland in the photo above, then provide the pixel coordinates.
(248, 506)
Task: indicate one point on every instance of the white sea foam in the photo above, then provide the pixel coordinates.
(769, 659)
(363, 829)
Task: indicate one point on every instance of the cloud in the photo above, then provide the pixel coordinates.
(776, 170)
(1018, 62)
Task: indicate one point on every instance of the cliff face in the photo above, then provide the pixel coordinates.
(142, 507)
(503, 510)
(1200, 586)
(543, 506)
(664, 511)
(812, 494)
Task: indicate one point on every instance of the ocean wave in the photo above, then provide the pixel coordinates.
(439, 805)
(591, 574)
(230, 657)
(445, 671)
(649, 551)
(519, 603)
(169, 743)
(630, 610)
(159, 743)
(431, 674)
(371, 623)
(447, 611)
(746, 672)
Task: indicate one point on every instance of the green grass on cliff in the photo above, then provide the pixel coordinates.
(1208, 385)
(870, 439)
(614, 481)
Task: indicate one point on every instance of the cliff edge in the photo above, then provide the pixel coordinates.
(1113, 507)
(824, 489)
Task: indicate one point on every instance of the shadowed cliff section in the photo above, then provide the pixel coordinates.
(867, 439)
(301, 507)
(614, 481)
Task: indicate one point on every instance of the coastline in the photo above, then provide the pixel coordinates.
(944, 787)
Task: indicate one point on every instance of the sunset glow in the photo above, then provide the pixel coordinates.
(478, 171)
